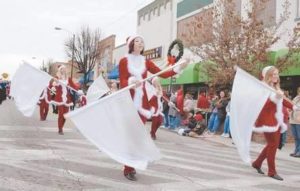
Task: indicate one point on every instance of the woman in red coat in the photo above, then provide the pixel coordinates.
(133, 69)
(63, 98)
(270, 122)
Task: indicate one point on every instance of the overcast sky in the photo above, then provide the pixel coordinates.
(27, 26)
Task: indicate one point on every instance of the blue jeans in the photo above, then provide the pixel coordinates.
(211, 121)
(166, 120)
(214, 122)
(172, 121)
(296, 133)
(226, 125)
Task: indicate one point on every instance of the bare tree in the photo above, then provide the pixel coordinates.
(86, 51)
(46, 66)
(229, 39)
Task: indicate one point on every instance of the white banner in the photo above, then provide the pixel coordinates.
(26, 87)
(96, 90)
(114, 126)
(247, 100)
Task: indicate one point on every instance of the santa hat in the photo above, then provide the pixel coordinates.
(131, 38)
(265, 70)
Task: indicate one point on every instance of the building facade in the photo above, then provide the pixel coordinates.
(105, 61)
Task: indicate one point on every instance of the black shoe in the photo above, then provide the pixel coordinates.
(130, 176)
(292, 154)
(61, 133)
(259, 171)
(297, 155)
(277, 177)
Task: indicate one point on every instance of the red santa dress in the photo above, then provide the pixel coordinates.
(135, 67)
(44, 102)
(63, 100)
(270, 122)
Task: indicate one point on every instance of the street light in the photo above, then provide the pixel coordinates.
(73, 46)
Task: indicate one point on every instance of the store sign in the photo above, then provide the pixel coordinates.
(154, 53)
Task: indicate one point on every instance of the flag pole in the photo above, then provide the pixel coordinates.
(75, 112)
(50, 77)
(265, 85)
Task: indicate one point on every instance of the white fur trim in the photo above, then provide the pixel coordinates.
(279, 118)
(136, 65)
(146, 113)
(265, 129)
(154, 79)
(131, 80)
(177, 69)
(273, 98)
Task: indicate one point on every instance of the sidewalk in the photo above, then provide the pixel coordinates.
(284, 153)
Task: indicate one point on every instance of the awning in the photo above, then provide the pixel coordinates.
(89, 77)
(114, 73)
(291, 71)
(192, 74)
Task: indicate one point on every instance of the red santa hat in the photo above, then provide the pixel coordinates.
(131, 38)
(265, 70)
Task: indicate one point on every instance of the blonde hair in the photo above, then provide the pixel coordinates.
(60, 74)
(268, 78)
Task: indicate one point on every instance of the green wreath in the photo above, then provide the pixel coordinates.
(180, 46)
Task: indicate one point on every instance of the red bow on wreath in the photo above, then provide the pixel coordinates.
(171, 60)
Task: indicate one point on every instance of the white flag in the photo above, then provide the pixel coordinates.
(26, 87)
(114, 126)
(96, 90)
(247, 100)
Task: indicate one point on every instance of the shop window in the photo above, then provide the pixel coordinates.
(298, 10)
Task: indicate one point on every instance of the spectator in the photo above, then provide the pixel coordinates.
(295, 125)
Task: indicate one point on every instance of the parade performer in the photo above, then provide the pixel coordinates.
(133, 69)
(270, 122)
(63, 98)
(82, 98)
(156, 102)
(44, 102)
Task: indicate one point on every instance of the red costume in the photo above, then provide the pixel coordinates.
(44, 103)
(203, 102)
(157, 117)
(63, 101)
(270, 122)
(132, 68)
(180, 100)
(82, 100)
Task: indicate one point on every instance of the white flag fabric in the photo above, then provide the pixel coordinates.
(26, 87)
(247, 100)
(114, 126)
(150, 90)
(96, 90)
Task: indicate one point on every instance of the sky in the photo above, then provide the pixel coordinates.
(27, 26)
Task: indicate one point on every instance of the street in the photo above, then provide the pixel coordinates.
(33, 157)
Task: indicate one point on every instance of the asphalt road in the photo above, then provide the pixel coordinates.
(33, 157)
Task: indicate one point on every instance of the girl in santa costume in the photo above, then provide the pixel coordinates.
(133, 69)
(156, 102)
(270, 122)
(63, 98)
(44, 102)
(82, 98)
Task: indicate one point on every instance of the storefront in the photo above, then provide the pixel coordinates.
(192, 79)
(290, 78)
